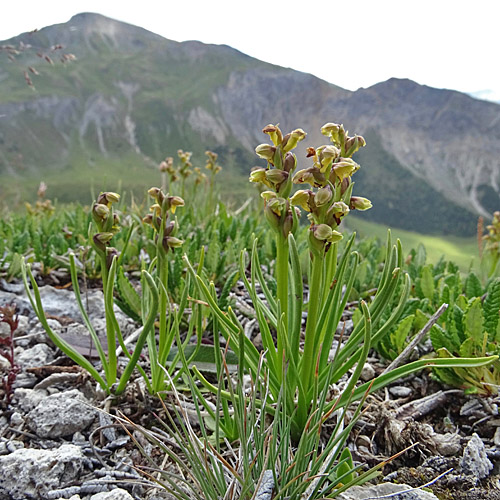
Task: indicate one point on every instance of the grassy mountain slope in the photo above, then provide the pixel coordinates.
(133, 97)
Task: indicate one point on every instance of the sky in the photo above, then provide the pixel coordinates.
(351, 43)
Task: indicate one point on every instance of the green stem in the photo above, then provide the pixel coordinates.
(331, 268)
(111, 368)
(281, 275)
(163, 272)
(308, 362)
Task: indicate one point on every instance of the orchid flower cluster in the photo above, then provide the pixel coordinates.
(328, 200)
(281, 163)
(107, 223)
(158, 219)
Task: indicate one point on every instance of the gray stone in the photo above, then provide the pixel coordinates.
(399, 491)
(32, 474)
(20, 301)
(116, 494)
(400, 391)
(367, 373)
(27, 399)
(61, 415)
(474, 461)
(38, 355)
(16, 419)
(23, 379)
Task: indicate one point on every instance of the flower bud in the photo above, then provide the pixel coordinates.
(322, 232)
(100, 211)
(323, 196)
(353, 144)
(101, 240)
(163, 166)
(169, 229)
(274, 133)
(268, 195)
(266, 151)
(359, 203)
(272, 211)
(290, 162)
(171, 242)
(276, 176)
(108, 198)
(287, 224)
(111, 253)
(258, 174)
(103, 237)
(291, 140)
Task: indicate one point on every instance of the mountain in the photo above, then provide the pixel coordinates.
(432, 162)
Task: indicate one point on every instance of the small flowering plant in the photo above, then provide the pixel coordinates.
(105, 226)
(301, 364)
(166, 242)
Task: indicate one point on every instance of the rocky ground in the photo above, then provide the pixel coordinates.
(58, 437)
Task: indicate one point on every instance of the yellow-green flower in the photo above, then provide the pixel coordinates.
(274, 133)
(301, 199)
(266, 151)
(345, 168)
(291, 140)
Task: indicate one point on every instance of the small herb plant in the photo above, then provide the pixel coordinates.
(304, 373)
(101, 232)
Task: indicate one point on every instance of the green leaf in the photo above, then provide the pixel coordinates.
(467, 349)
(491, 309)
(439, 339)
(420, 319)
(427, 282)
(473, 286)
(15, 266)
(346, 467)
(420, 256)
(129, 300)
(458, 321)
(399, 336)
(474, 321)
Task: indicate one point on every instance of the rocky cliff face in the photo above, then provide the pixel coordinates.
(133, 92)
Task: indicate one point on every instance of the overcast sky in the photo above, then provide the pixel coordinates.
(351, 43)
